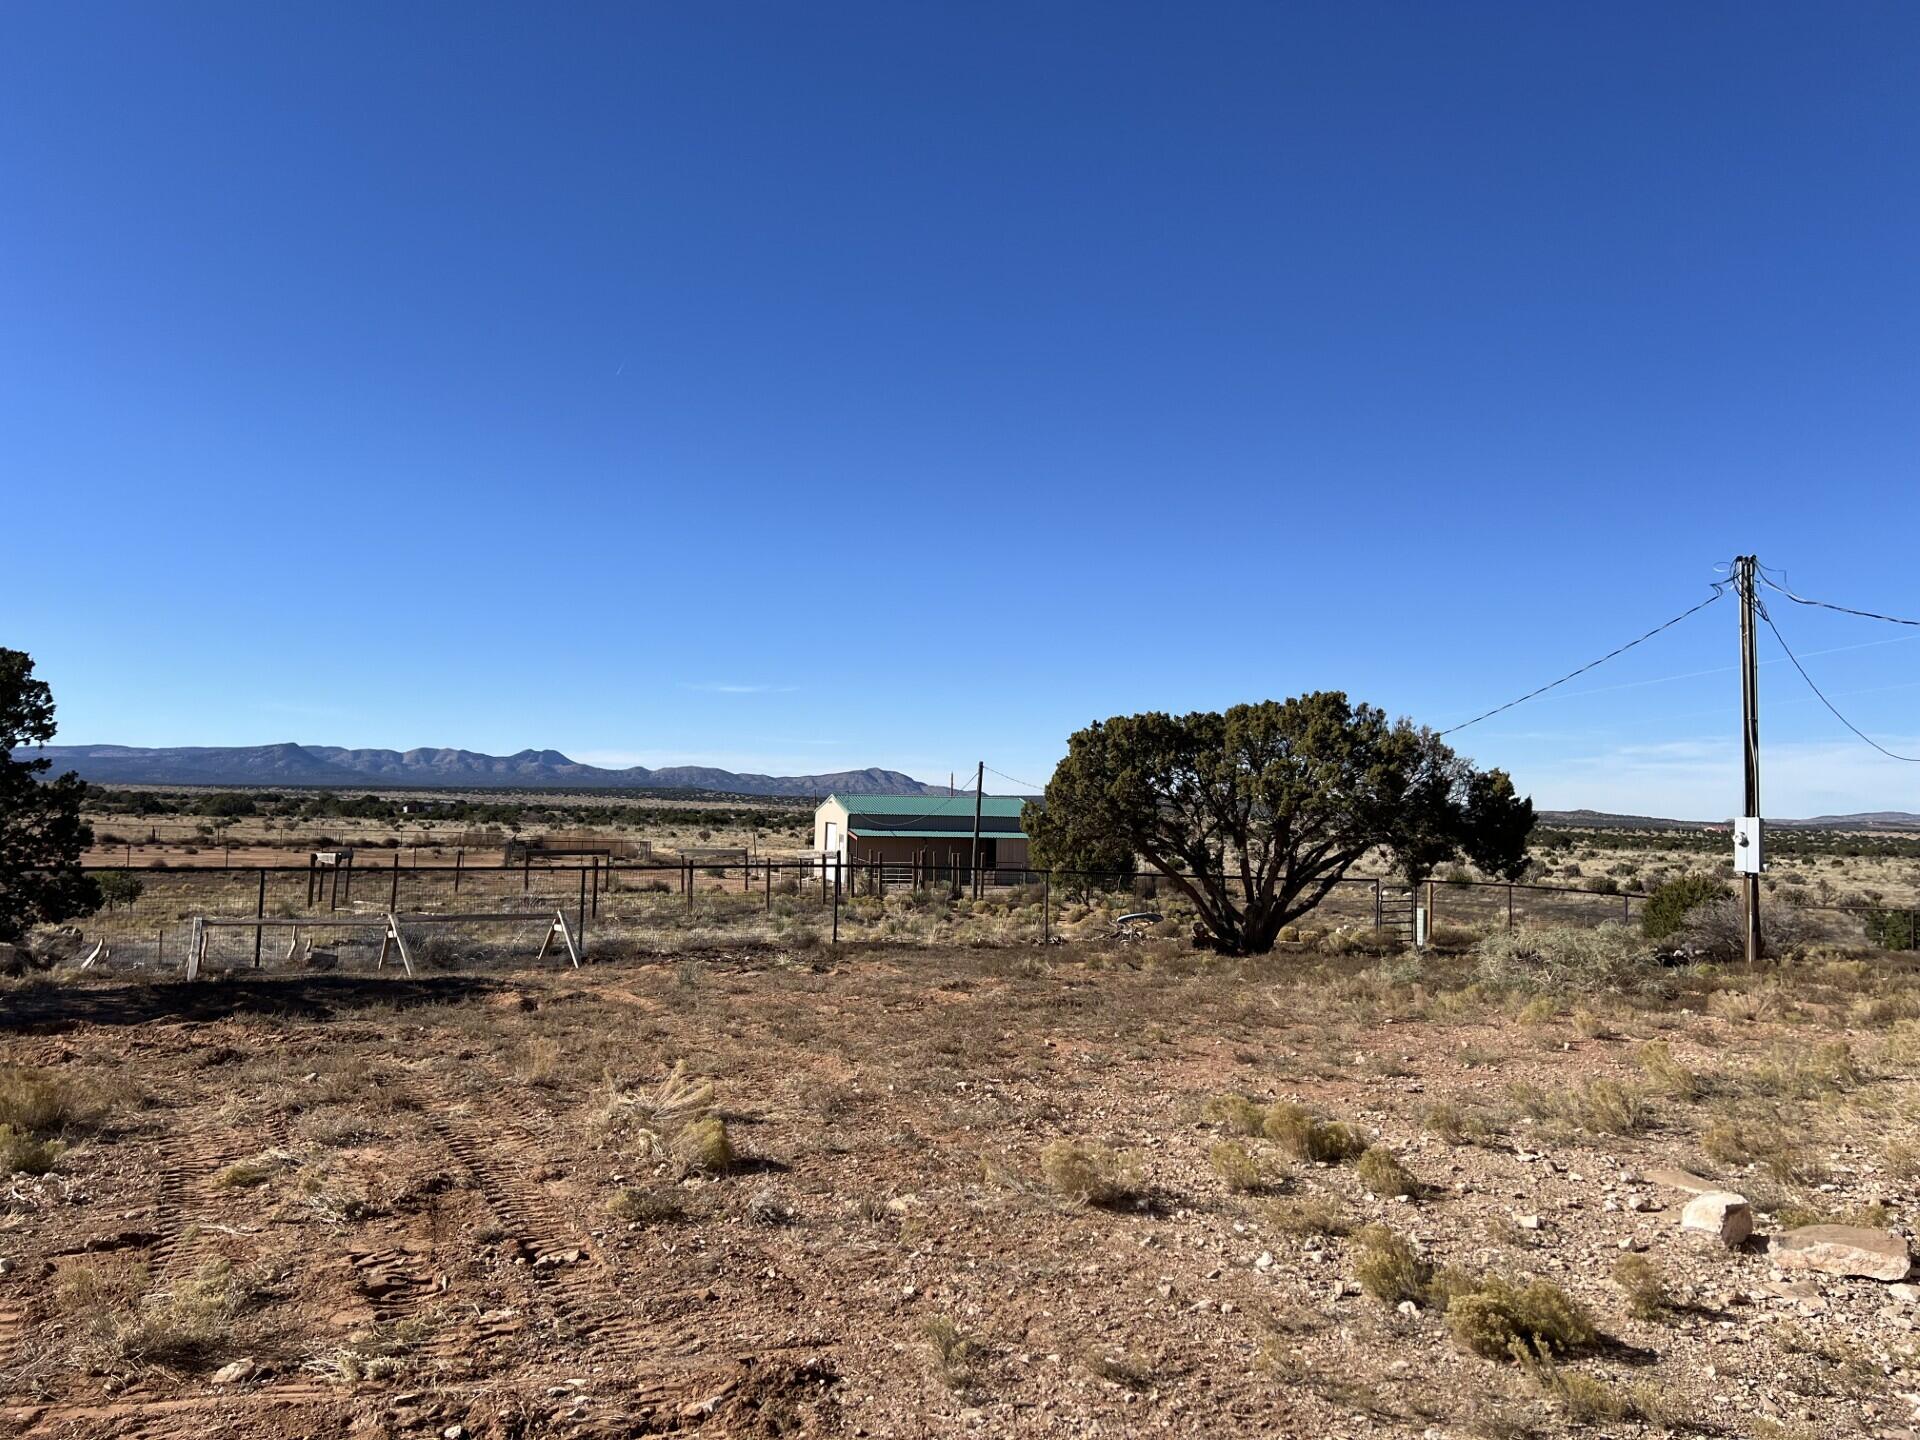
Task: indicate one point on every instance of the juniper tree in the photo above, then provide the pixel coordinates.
(1257, 813)
(41, 833)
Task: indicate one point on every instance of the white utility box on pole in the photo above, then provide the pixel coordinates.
(1747, 858)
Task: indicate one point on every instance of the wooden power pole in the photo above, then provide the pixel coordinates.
(979, 789)
(1747, 849)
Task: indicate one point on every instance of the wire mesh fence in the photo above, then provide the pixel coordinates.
(657, 907)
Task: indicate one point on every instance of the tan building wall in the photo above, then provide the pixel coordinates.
(830, 833)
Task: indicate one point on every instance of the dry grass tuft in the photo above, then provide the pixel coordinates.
(1089, 1173)
(22, 1154)
(1461, 1125)
(1499, 1318)
(1235, 1114)
(1236, 1166)
(1380, 1170)
(1768, 1136)
(255, 1171)
(704, 1145)
(1389, 1268)
(174, 1328)
(956, 1355)
(1666, 1074)
(42, 1103)
(381, 1351)
(674, 1118)
(645, 1207)
(1608, 1107)
(1645, 1288)
(1302, 1134)
(1307, 1215)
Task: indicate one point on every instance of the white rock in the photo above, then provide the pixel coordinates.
(1842, 1250)
(1720, 1215)
(233, 1374)
(1678, 1179)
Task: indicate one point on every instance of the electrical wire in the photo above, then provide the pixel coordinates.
(1719, 589)
(1761, 610)
(1030, 787)
(1773, 584)
(852, 802)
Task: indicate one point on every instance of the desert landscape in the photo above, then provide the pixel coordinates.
(1120, 1188)
(872, 721)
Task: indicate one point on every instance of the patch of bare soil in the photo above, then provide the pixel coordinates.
(907, 1193)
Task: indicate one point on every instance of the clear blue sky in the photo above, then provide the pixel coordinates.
(792, 387)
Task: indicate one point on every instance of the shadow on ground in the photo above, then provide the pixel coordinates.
(306, 997)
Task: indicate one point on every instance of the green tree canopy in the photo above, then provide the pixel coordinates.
(1257, 813)
(41, 834)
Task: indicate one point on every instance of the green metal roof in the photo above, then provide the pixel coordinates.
(1005, 806)
(862, 832)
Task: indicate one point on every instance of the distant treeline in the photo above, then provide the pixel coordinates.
(507, 814)
(1781, 841)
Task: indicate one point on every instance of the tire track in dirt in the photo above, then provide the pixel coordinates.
(13, 1327)
(584, 1289)
(164, 1418)
(195, 1152)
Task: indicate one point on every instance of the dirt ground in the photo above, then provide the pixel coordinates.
(489, 1204)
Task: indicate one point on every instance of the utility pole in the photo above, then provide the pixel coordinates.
(1746, 850)
(979, 789)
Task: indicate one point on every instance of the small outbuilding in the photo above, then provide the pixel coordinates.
(932, 833)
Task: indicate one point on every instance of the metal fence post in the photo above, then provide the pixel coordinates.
(836, 904)
(1046, 908)
(1509, 905)
(259, 909)
(393, 891)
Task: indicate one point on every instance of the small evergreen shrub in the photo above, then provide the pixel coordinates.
(1498, 1318)
(1310, 1138)
(1383, 1174)
(1234, 1165)
(1235, 1114)
(1088, 1172)
(1389, 1268)
(1667, 907)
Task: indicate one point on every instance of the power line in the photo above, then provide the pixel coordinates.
(1911, 759)
(1719, 589)
(852, 803)
(1773, 584)
(1028, 784)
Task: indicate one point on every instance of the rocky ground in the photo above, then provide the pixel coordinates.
(1076, 1191)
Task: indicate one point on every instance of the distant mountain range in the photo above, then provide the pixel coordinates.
(1602, 820)
(332, 765)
